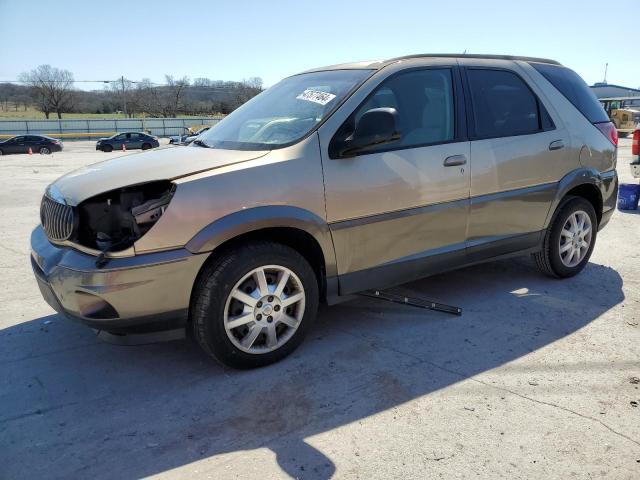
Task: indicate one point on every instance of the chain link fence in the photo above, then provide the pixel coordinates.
(162, 127)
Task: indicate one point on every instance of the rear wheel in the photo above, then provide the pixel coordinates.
(569, 241)
(254, 305)
(44, 151)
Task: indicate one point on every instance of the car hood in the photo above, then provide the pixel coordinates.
(162, 164)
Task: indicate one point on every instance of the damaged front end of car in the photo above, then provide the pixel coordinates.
(109, 222)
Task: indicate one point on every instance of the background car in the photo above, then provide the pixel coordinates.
(131, 140)
(187, 138)
(38, 144)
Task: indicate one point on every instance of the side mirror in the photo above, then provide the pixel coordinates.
(376, 127)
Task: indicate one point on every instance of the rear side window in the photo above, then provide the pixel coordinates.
(504, 105)
(574, 89)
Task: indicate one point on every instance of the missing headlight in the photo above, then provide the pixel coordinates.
(114, 220)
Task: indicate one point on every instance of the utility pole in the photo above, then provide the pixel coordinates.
(606, 67)
(124, 97)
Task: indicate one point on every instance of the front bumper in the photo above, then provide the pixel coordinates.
(130, 294)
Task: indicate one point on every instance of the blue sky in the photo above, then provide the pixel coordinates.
(238, 39)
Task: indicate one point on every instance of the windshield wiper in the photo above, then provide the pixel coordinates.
(200, 143)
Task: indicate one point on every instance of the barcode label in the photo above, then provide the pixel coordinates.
(316, 96)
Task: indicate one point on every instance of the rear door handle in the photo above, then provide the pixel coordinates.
(556, 145)
(455, 160)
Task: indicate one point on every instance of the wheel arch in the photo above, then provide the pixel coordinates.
(295, 227)
(584, 182)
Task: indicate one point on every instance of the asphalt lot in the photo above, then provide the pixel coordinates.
(538, 379)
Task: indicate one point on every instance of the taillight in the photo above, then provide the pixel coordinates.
(635, 146)
(608, 129)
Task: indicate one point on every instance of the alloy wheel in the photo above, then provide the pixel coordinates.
(575, 238)
(264, 309)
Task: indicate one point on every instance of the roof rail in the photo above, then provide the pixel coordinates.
(477, 55)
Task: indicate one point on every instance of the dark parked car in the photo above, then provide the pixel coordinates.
(37, 143)
(188, 137)
(130, 140)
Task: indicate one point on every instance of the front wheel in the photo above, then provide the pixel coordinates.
(44, 151)
(146, 146)
(254, 305)
(570, 239)
(107, 148)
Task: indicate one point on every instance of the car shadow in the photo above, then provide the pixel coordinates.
(75, 406)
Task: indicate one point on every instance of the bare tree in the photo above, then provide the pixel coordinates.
(52, 87)
(123, 93)
(202, 82)
(176, 89)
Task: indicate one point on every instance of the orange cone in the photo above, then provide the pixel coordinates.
(124, 148)
(30, 151)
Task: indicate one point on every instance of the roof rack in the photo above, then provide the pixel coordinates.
(477, 55)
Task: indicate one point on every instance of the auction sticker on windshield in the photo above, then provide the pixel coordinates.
(316, 96)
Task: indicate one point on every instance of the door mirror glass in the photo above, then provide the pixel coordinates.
(375, 127)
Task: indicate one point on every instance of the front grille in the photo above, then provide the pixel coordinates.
(57, 219)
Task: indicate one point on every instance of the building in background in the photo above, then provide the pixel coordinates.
(608, 90)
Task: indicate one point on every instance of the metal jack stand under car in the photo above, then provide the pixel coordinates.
(411, 301)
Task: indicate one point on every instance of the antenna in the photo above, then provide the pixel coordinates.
(606, 67)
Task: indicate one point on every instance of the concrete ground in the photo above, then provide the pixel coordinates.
(539, 378)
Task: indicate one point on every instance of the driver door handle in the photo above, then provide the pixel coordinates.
(455, 160)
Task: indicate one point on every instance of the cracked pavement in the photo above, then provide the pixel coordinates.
(535, 380)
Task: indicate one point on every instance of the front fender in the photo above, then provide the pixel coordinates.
(257, 218)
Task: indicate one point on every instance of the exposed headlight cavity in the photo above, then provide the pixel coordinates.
(114, 220)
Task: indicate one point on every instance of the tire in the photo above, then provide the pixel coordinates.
(146, 146)
(256, 341)
(1, 153)
(107, 148)
(44, 151)
(555, 262)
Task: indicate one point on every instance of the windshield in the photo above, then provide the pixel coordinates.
(284, 113)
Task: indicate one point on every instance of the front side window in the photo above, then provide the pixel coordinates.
(284, 113)
(503, 105)
(423, 100)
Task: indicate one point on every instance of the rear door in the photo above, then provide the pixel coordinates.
(518, 154)
(35, 142)
(135, 140)
(399, 211)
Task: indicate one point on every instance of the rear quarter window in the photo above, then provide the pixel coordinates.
(575, 89)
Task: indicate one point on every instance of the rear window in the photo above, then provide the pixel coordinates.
(504, 106)
(574, 88)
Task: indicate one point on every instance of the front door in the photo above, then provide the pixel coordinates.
(20, 145)
(400, 211)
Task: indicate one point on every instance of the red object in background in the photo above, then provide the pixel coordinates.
(635, 146)
(124, 148)
(30, 151)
